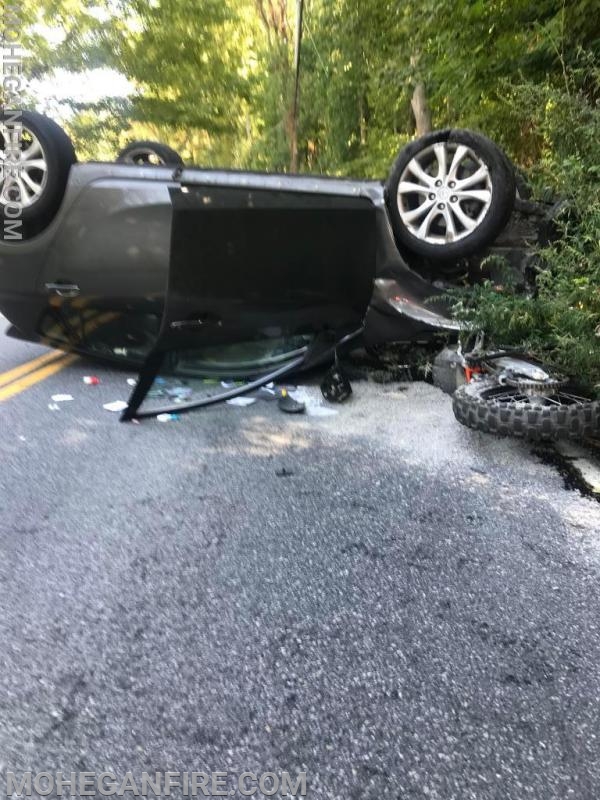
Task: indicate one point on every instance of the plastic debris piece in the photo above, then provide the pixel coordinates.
(116, 405)
(180, 393)
(264, 393)
(91, 380)
(242, 402)
(131, 382)
(168, 417)
(53, 406)
(284, 473)
(336, 386)
(231, 384)
(315, 405)
(289, 405)
(61, 398)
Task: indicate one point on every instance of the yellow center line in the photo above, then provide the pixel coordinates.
(16, 380)
(40, 374)
(12, 374)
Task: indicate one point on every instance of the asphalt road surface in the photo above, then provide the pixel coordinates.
(397, 606)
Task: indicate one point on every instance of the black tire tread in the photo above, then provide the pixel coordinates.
(167, 154)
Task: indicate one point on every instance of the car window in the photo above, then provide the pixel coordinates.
(241, 359)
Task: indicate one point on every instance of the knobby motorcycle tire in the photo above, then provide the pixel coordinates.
(474, 407)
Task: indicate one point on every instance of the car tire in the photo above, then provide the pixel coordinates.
(449, 194)
(478, 406)
(149, 154)
(39, 188)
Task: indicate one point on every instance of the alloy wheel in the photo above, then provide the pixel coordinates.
(444, 193)
(23, 166)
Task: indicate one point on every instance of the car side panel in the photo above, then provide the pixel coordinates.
(111, 235)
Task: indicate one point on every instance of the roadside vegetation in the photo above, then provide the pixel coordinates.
(215, 80)
(559, 318)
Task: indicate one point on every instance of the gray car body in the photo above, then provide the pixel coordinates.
(113, 235)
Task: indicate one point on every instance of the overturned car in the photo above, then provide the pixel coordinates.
(147, 261)
(152, 264)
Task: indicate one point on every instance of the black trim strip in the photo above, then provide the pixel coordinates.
(149, 372)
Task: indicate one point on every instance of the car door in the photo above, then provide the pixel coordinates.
(258, 272)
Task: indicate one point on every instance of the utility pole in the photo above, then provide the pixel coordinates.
(296, 107)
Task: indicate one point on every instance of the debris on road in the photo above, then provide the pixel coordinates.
(284, 473)
(168, 417)
(291, 406)
(335, 386)
(265, 393)
(53, 406)
(242, 402)
(115, 406)
(179, 393)
(91, 380)
(313, 401)
(231, 384)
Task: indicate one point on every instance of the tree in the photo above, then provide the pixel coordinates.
(221, 72)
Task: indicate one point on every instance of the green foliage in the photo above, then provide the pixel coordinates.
(562, 320)
(79, 38)
(96, 128)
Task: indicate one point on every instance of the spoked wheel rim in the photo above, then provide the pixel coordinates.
(23, 166)
(512, 395)
(144, 156)
(444, 193)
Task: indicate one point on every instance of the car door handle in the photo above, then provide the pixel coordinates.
(63, 289)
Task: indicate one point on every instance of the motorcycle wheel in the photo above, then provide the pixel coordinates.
(485, 405)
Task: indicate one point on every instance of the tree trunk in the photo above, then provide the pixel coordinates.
(362, 120)
(421, 110)
(296, 100)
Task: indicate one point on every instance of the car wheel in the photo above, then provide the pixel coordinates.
(150, 154)
(485, 405)
(449, 194)
(36, 156)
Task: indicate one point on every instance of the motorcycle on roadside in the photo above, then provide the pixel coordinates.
(512, 393)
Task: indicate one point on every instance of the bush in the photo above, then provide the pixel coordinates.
(560, 320)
